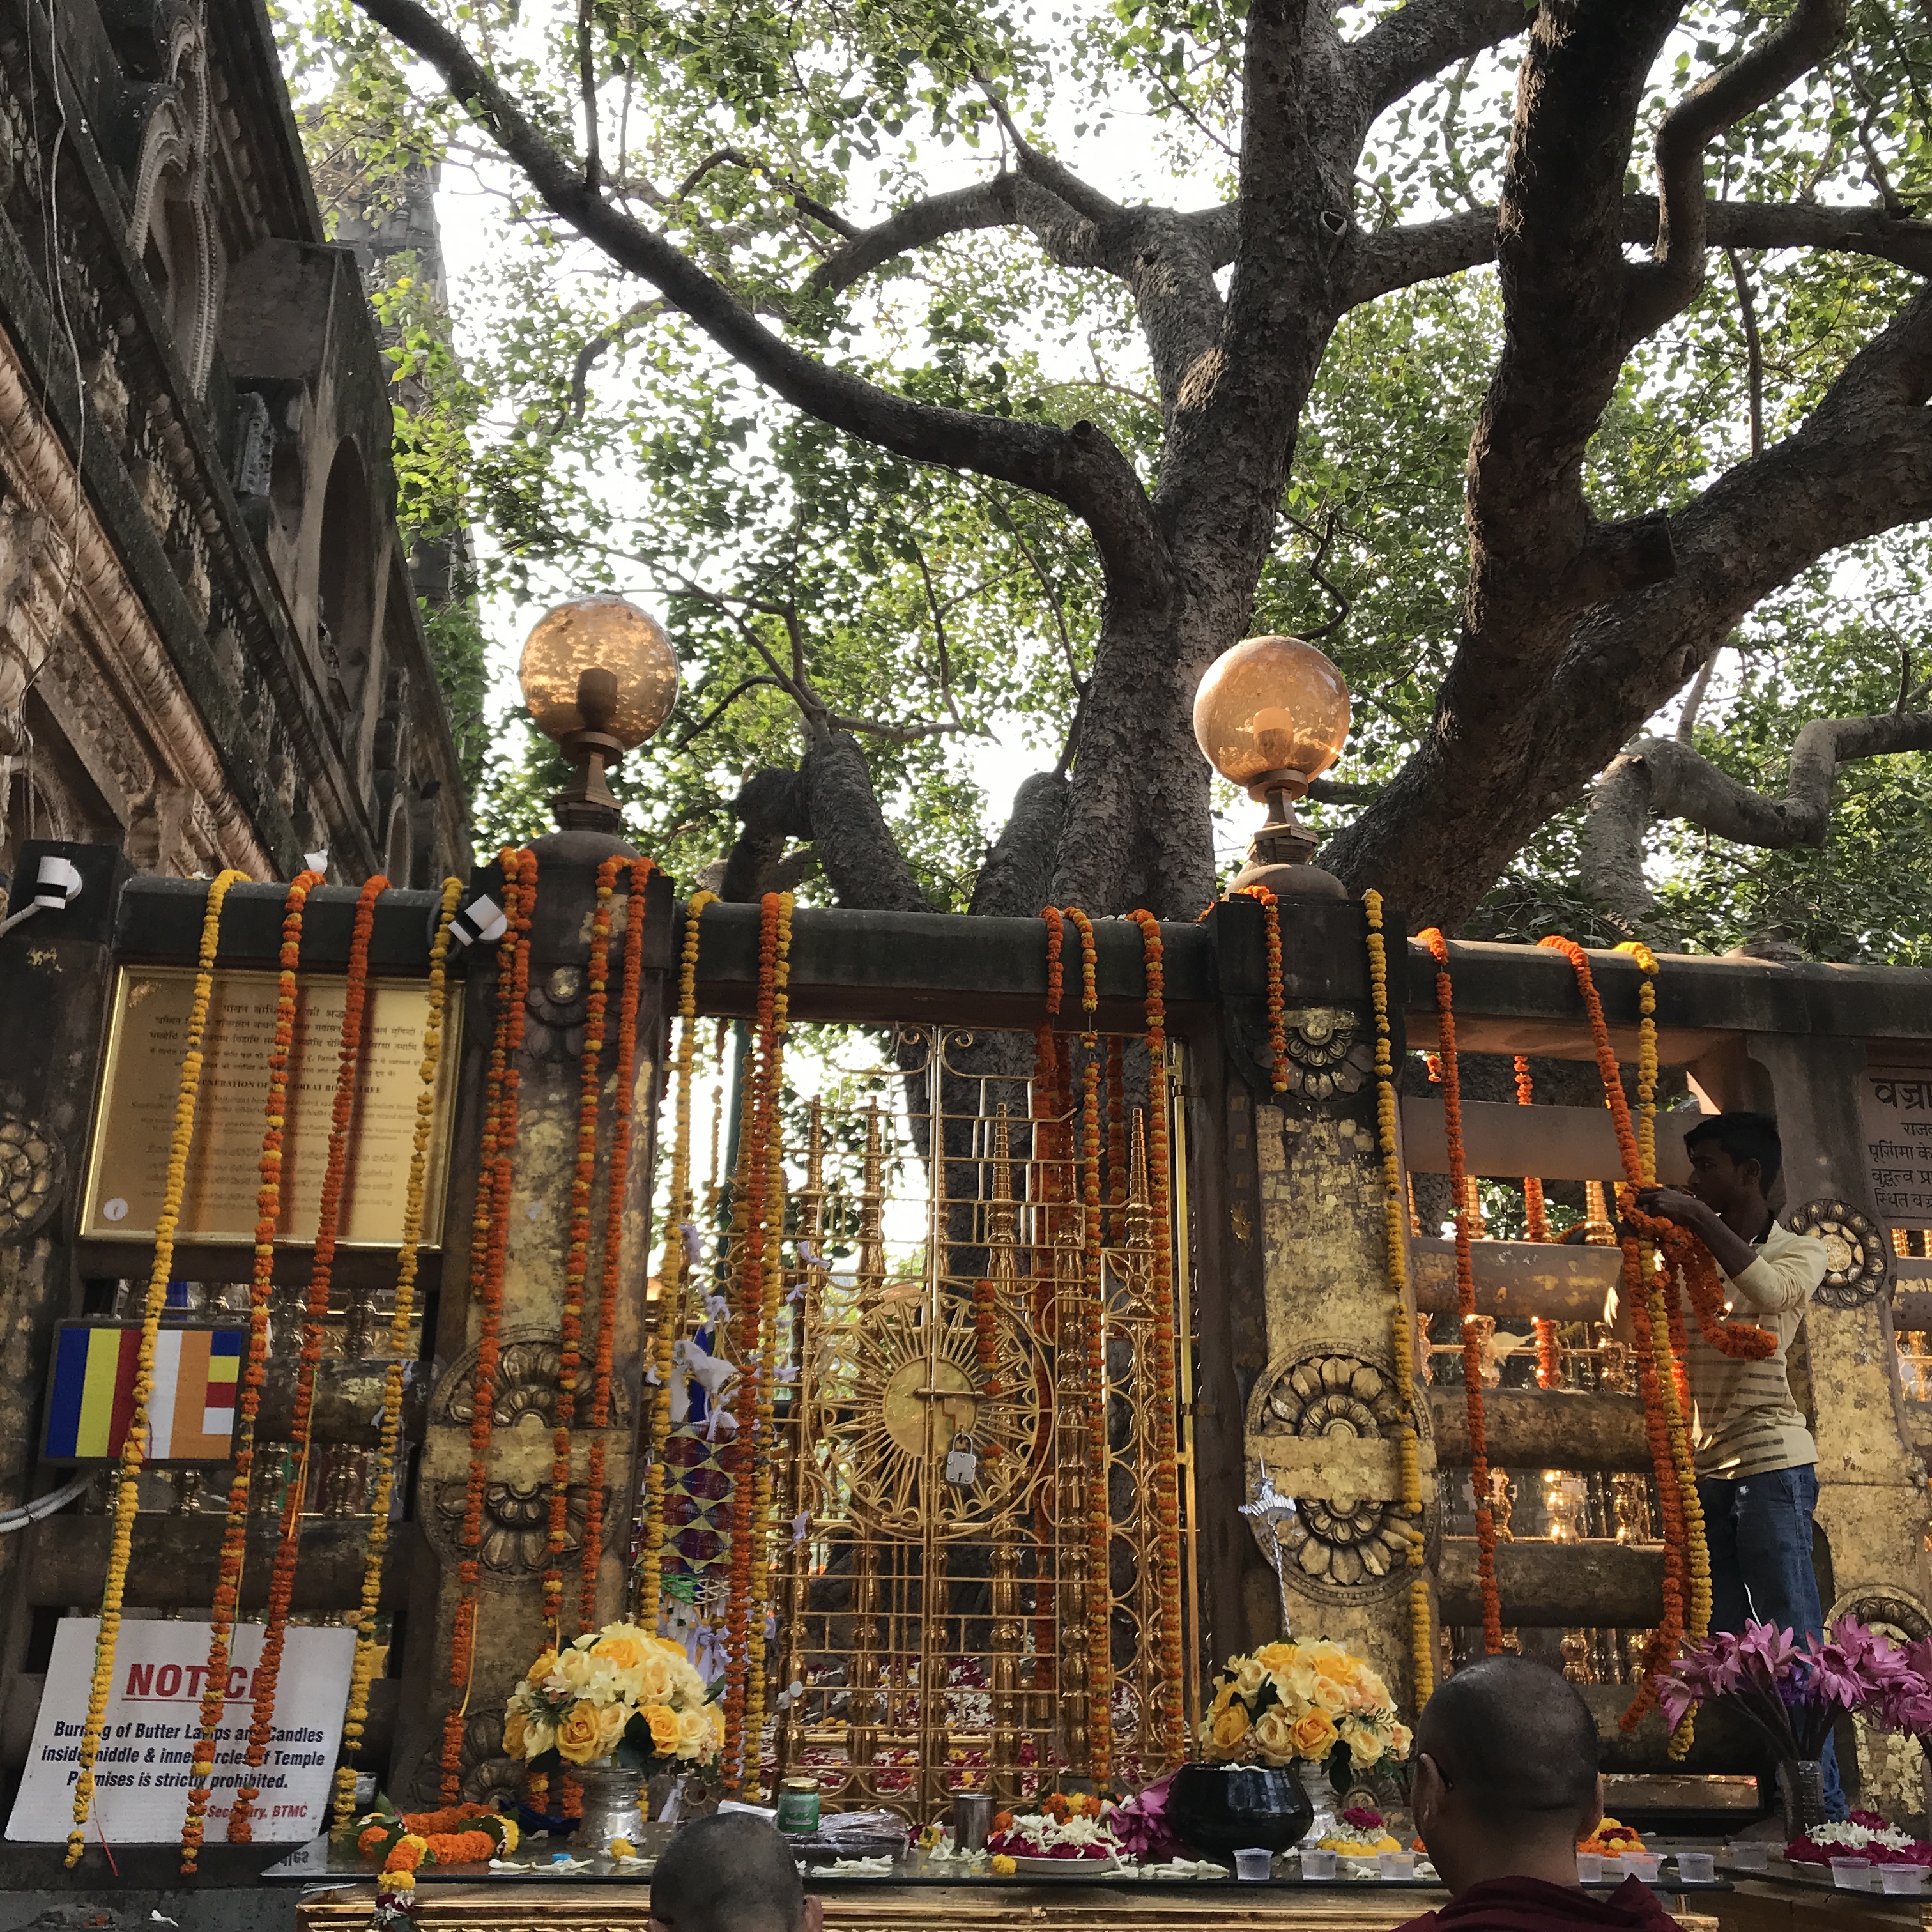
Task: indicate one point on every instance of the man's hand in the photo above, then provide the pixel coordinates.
(1671, 1204)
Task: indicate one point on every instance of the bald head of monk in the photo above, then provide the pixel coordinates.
(1506, 1779)
(730, 1873)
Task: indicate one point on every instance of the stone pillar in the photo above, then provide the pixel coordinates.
(55, 972)
(511, 1631)
(1324, 1402)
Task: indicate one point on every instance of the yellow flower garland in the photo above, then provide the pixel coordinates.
(1422, 1622)
(133, 1451)
(363, 1669)
(670, 1275)
(1665, 1323)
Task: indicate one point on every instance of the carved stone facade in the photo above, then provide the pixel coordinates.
(211, 652)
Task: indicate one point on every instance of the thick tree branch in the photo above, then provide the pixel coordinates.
(1659, 778)
(1078, 467)
(1017, 878)
(1662, 287)
(986, 205)
(863, 866)
(1480, 785)
(1423, 251)
(1418, 41)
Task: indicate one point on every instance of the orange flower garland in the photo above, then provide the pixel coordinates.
(671, 1273)
(763, 1446)
(490, 1244)
(322, 1272)
(741, 1750)
(235, 1530)
(362, 1669)
(1657, 1370)
(1049, 1114)
(1173, 1722)
(591, 1552)
(1465, 1296)
(1421, 1611)
(577, 1253)
(1277, 1030)
(133, 1452)
(1099, 1526)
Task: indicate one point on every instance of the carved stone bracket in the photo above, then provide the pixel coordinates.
(1325, 1425)
(1330, 1052)
(32, 1168)
(1858, 1263)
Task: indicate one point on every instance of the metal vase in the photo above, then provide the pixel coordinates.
(613, 1806)
(1800, 1784)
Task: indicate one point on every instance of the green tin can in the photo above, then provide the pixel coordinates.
(798, 1804)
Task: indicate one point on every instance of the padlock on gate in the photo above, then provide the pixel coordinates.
(962, 1461)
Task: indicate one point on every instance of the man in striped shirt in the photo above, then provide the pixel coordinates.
(1755, 1456)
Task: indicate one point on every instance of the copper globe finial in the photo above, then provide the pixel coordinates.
(1271, 715)
(599, 677)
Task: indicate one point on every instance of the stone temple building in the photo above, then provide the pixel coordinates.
(210, 646)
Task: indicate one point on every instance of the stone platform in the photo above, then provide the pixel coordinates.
(880, 1905)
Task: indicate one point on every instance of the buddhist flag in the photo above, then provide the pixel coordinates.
(191, 1410)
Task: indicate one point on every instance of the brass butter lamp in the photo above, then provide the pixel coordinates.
(599, 676)
(1271, 715)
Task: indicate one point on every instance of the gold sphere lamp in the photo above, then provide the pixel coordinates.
(599, 677)
(1271, 715)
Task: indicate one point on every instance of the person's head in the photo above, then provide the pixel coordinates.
(1734, 1160)
(1506, 1779)
(730, 1873)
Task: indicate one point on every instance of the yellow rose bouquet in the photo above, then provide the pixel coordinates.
(1301, 1700)
(621, 1693)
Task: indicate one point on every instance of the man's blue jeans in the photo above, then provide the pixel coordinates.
(1760, 1533)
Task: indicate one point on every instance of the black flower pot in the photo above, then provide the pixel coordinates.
(1226, 1808)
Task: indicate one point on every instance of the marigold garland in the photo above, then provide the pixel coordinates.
(742, 1742)
(764, 1448)
(1049, 1113)
(1099, 1526)
(363, 1668)
(321, 1276)
(490, 1244)
(670, 1276)
(1421, 1612)
(235, 1530)
(1658, 1368)
(1277, 1027)
(577, 1253)
(1465, 1296)
(1173, 1722)
(134, 1451)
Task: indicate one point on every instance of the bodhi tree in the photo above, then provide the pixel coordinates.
(1597, 156)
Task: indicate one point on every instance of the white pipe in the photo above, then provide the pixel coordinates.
(43, 1506)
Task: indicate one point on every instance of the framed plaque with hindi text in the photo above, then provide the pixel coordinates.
(1898, 1107)
(134, 1117)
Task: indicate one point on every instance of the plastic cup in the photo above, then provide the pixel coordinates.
(1257, 1861)
(1749, 1854)
(1318, 1864)
(1641, 1865)
(1851, 1874)
(1396, 1864)
(1589, 1867)
(1696, 1867)
(1901, 1878)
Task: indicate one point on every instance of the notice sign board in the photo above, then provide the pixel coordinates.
(134, 1122)
(142, 1774)
(1898, 1102)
